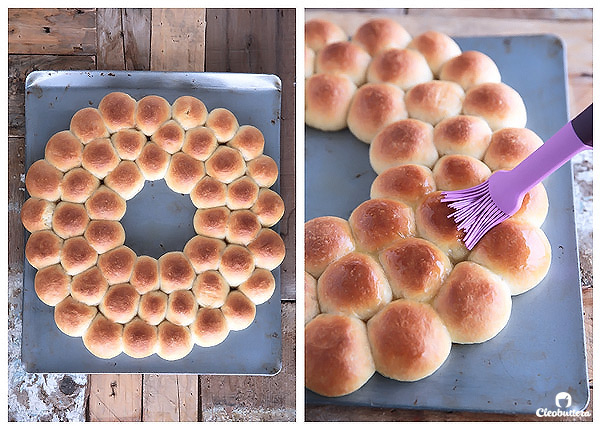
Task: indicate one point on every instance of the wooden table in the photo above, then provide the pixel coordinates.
(574, 26)
(240, 40)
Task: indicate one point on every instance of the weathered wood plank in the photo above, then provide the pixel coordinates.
(111, 50)
(16, 195)
(137, 30)
(115, 397)
(170, 398)
(52, 31)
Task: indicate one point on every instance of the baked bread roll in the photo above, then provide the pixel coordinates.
(153, 161)
(238, 310)
(311, 303)
(120, 303)
(263, 170)
(269, 207)
(534, 207)
(36, 214)
(52, 284)
(462, 135)
(77, 185)
(153, 307)
(379, 34)
(210, 327)
(242, 227)
(117, 264)
(259, 287)
(89, 287)
(118, 110)
(169, 136)
(181, 307)
(64, 151)
(105, 204)
(140, 339)
(319, 33)
(183, 173)
(327, 100)
(189, 112)
(73, 317)
(225, 164)
(242, 193)
(401, 67)
(509, 146)
(408, 183)
(43, 248)
(237, 264)
(453, 172)
(128, 143)
(212, 222)
(99, 157)
(144, 277)
(210, 289)
(87, 124)
(43, 180)
(249, 140)
(326, 239)
(434, 101)
(209, 193)
(309, 62)
(104, 338)
(175, 272)
(204, 253)
(436, 47)
(152, 111)
(104, 235)
(174, 341)
(199, 143)
(499, 104)
(344, 58)
(223, 123)
(76, 255)
(469, 69)
(267, 249)
(126, 180)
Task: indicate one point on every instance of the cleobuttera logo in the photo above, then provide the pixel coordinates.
(562, 400)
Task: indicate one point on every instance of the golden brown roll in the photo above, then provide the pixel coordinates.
(454, 172)
(345, 58)
(36, 214)
(242, 193)
(204, 253)
(175, 272)
(401, 67)
(469, 69)
(87, 124)
(319, 33)
(89, 287)
(377, 223)
(516, 251)
(269, 207)
(77, 185)
(238, 310)
(509, 146)
(144, 277)
(379, 34)
(140, 339)
(337, 356)
(434, 225)
(43, 248)
(268, 249)
(374, 106)
(153, 307)
(434, 101)
(534, 208)
(104, 338)
(408, 183)
(225, 164)
(474, 304)
(409, 340)
(181, 307)
(211, 222)
(462, 135)
(311, 303)
(189, 112)
(105, 204)
(73, 317)
(153, 162)
(100, 157)
(259, 287)
(326, 239)
(199, 143)
(174, 341)
(210, 327)
(309, 62)
(223, 123)
(354, 285)
(128, 143)
(126, 180)
(117, 264)
(104, 235)
(43, 180)
(249, 140)
(237, 264)
(499, 104)
(327, 100)
(183, 173)
(436, 47)
(210, 289)
(52, 284)
(69, 219)
(118, 111)
(152, 111)
(242, 227)
(169, 136)
(263, 170)
(64, 151)
(120, 303)
(77, 255)
(408, 141)
(208, 193)
(415, 268)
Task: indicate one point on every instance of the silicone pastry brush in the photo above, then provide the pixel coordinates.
(479, 209)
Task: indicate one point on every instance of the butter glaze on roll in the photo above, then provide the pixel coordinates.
(434, 101)
(462, 135)
(379, 34)
(436, 47)
(408, 183)
(509, 146)
(326, 239)
(454, 172)
(499, 104)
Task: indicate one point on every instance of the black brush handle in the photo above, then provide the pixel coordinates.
(583, 125)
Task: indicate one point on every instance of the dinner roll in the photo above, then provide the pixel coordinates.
(242, 193)
(337, 356)
(327, 100)
(534, 208)
(210, 327)
(174, 341)
(89, 287)
(516, 251)
(268, 249)
(408, 340)
(436, 47)
(311, 303)
(242, 227)
(407, 141)
(210, 289)
(415, 268)
(43, 180)
(105, 204)
(319, 33)
(473, 303)
(509, 146)
(183, 173)
(140, 339)
(225, 164)
(379, 34)
(453, 172)
(36, 214)
(64, 151)
(189, 112)
(326, 239)
(434, 100)
(374, 106)
(99, 157)
(499, 104)
(175, 272)
(152, 111)
(126, 180)
(204, 253)
(199, 143)
(354, 285)
(377, 223)
(238, 310)
(69, 219)
(402, 67)
(153, 162)
(73, 317)
(208, 193)
(434, 225)
(462, 135)
(237, 264)
(181, 307)
(104, 338)
(249, 140)
(43, 248)
(169, 136)
(77, 185)
(269, 207)
(52, 284)
(117, 264)
(407, 183)
(211, 222)
(263, 170)
(259, 287)
(344, 58)
(128, 143)
(153, 307)
(469, 69)
(77, 255)
(120, 303)
(104, 235)
(144, 277)
(309, 62)
(223, 123)
(118, 111)
(87, 124)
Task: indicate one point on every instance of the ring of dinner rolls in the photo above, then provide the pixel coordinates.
(398, 263)
(101, 290)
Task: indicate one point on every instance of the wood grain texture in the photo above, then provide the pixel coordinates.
(16, 196)
(115, 398)
(170, 398)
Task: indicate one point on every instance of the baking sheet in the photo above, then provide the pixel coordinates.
(541, 351)
(157, 219)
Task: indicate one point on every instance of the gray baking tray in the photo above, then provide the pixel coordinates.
(157, 219)
(541, 351)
